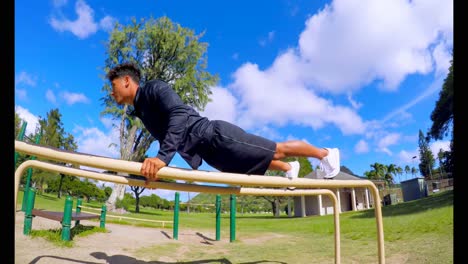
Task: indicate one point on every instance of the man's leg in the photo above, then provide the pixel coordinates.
(298, 148)
(329, 158)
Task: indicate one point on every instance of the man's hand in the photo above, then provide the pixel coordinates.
(150, 168)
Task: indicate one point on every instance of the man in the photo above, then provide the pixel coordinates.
(222, 145)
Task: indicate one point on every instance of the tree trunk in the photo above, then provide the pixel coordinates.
(60, 186)
(125, 153)
(117, 193)
(188, 203)
(137, 202)
(277, 208)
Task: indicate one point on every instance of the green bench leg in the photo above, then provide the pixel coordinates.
(28, 217)
(67, 217)
(103, 216)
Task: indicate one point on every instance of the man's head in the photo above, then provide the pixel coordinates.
(125, 79)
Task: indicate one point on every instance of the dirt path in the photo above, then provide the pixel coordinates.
(115, 247)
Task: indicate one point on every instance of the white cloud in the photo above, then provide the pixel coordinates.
(21, 93)
(96, 142)
(222, 106)
(442, 57)
(107, 23)
(25, 78)
(361, 147)
(388, 39)
(406, 157)
(356, 105)
(83, 26)
(437, 145)
(264, 41)
(386, 141)
(342, 48)
(50, 96)
(59, 3)
(73, 98)
(277, 96)
(31, 120)
(402, 110)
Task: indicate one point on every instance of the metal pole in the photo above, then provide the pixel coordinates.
(28, 178)
(67, 217)
(175, 229)
(20, 137)
(28, 217)
(218, 217)
(103, 216)
(233, 218)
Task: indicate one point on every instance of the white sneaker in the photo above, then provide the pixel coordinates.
(293, 173)
(330, 165)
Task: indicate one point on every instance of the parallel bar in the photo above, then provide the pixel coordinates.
(132, 167)
(185, 187)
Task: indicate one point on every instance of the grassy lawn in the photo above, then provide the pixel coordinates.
(418, 231)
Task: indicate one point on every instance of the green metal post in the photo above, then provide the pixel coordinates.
(233, 218)
(175, 229)
(78, 209)
(28, 217)
(28, 178)
(103, 216)
(218, 217)
(20, 137)
(67, 217)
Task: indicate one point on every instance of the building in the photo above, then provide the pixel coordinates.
(414, 189)
(354, 199)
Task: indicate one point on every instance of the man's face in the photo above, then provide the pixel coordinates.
(119, 89)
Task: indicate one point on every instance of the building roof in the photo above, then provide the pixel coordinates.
(340, 176)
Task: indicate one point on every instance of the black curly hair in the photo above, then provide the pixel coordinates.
(123, 69)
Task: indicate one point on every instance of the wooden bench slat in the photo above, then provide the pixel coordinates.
(58, 216)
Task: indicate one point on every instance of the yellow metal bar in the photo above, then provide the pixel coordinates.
(132, 167)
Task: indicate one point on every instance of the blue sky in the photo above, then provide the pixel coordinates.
(359, 75)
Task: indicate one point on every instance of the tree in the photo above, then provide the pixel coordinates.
(275, 201)
(18, 123)
(163, 50)
(426, 162)
(137, 190)
(52, 134)
(407, 170)
(442, 116)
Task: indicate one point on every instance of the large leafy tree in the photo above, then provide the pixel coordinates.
(51, 133)
(163, 50)
(426, 162)
(442, 117)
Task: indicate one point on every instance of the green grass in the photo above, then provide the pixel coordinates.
(55, 235)
(419, 231)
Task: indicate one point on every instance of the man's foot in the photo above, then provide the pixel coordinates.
(330, 165)
(293, 173)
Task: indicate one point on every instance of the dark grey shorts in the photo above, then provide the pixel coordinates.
(229, 148)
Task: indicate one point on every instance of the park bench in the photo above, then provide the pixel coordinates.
(65, 217)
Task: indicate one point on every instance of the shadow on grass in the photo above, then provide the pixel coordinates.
(122, 259)
(206, 239)
(434, 201)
